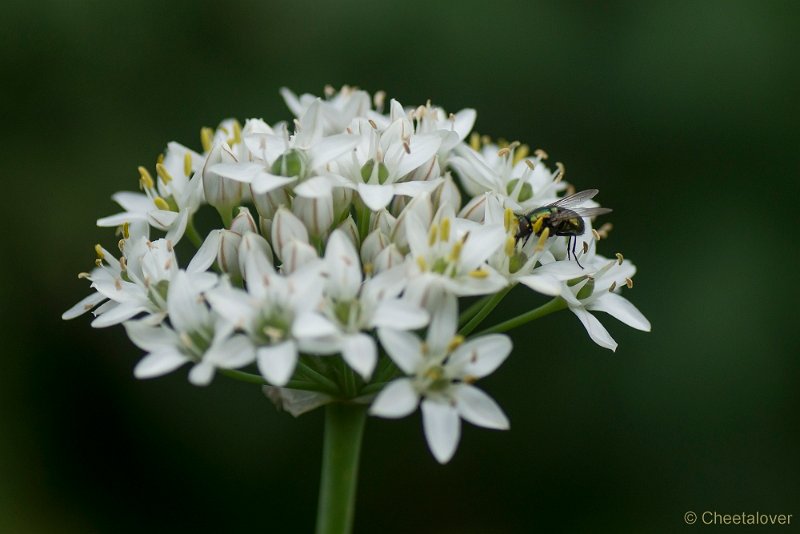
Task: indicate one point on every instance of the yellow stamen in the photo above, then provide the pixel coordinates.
(455, 342)
(508, 217)
(444, 230)
(432, 235)
(475, 141)
(187, 164)
(423, 266)
(521, 153)
(455, 252)
(237, 132)
(620, 258)
(161, 204)
(368, 268)
(160, 158)
(537, 224)
(206, 138)
(562, 171)
(542, 239)
(486, 140)
(99, 251)
(511, 244)
(479, 273)
(83, 275)
(163, 173)
(126, 230)
(469, 379)
(98, 262)
(629, 283)
(145, 179)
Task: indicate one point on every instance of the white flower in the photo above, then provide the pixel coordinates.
(136, 284)
(353, 305)
(169, 200)
(451, 256)
(270, 310)
(441, 372)
(599, 291)
(196, 335)
(337, 110)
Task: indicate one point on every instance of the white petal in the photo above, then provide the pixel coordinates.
(241, 172)
(620, 308)
(277, 362)
(83, 306)
(120, 218)
(376, 196)
(118, 314)
(159, 363)
(415, 188)
(186, 311)
(397, 399)
(463, 123)
(329, 148)
(344, 266)
(206, 254)
(202, 373)
(133, 202)
(233, 304)
(399, 314)
(150, 338)
(236, 351)
(178, 227)
(421, 149)
(404, 348)
(265, 182)
(479, 408)
(596, 331)
(442, 428)
(315, 187)
(481, 244)
(480, 356)
(542, 283)
(162, 219)
(313, 325)
(444, 323)
(360, 353)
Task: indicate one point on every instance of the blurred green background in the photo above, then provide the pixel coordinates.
(683, 114)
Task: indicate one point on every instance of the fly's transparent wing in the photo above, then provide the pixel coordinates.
(563, 213)
(574, 200)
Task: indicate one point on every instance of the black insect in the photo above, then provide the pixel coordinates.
(561, 218)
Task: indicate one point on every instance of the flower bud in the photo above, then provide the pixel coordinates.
(427, 171)
(268, 203)
(387, 258)
(316, 213)
(383, 221)
(222, 193)
(373, 244)
(295, 254)
(243, 222)
(285, 228)
(228, 256)
(422, 207)
(447, 194)
(475, 210)
(350, 229)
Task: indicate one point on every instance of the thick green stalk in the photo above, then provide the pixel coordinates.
(344, 427)
(191, 233)
(484, 311)
(545, 309)
(470, 312)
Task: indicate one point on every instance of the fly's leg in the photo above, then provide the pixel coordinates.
(574, 254)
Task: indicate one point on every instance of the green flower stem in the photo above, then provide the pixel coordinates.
(485, 310)
(315, 376)
(545, 309)
(470, 312)
(344, 427)
(191, 233)
(256, 379)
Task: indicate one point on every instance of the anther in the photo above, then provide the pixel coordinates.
(521, 153)
(503, 152)
(475, 141)
(432, 235)
(444, 230)
(160, 158)
(619, 258)
(612, 287)
(372, 123)
(83, 275)
(531, 165)
(423, 266)
(407, 147)
(585, 247)
(455, 252)
(469, 379)
(596, 234)
(378, 99)
(187, 164)
(629, 283)
(508, 216)
(486, 140)
(510, 245)
(163, 173)
(161, 204)
(542, 239)
(479, 273)
(541, 154)
(329, 90)
(206, 138)
(99, 251)
(126, 230)
(145, 179)
(561, 172)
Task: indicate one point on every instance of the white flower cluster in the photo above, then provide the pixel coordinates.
(346, 233)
